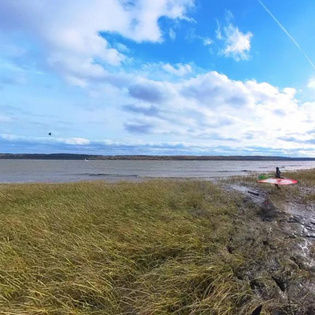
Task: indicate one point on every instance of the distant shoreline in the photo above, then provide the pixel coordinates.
(65, 156)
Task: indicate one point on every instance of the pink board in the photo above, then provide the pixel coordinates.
(278, 181)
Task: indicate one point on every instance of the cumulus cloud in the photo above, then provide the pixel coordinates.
(73, 33)
(150, 91)
(168, 100)
(212, 107)
(214, 89)
(237, 45)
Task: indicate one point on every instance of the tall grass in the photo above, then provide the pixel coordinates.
(158, 247)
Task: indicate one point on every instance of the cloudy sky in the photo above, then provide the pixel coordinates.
(199, 77)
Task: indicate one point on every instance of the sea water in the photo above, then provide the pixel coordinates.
(113, 170)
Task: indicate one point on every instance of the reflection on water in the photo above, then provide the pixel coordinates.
(65, 170)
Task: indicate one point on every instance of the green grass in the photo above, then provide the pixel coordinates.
(157, 247)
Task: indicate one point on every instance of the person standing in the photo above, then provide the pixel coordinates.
(278, 175)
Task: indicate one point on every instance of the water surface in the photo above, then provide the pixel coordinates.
(112, 170)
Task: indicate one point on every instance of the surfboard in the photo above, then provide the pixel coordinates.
(278, 181)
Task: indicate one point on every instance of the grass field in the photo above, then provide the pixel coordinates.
(157, 247)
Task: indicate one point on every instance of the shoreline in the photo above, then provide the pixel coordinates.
(91, 157)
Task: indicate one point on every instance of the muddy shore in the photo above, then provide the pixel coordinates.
(283, 221)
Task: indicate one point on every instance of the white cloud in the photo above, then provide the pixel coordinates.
(122, 48)
(74, 141)
(206, 110)
(172, 34)
(290, 91)
(76, 81)
(218, 31)
(191, 35)
(178, 69)
(211, 108)
(206, 41)
(311, 84)
(46, 140)
(70, 31)
(236, 44)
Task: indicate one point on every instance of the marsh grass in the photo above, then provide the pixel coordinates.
(157, 247)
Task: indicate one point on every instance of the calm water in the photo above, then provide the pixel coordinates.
(64, 171)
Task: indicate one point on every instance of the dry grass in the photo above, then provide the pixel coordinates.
(159, 247)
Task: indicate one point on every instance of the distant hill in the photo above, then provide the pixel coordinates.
(66, 156)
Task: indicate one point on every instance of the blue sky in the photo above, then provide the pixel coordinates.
(157, 77)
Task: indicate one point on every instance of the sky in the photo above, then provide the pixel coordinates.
(158, 77)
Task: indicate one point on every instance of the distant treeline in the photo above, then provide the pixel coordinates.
(65, 156)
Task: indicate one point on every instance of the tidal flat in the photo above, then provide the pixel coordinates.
(158, 247)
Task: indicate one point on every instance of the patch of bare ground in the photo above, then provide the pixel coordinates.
(283, 221)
